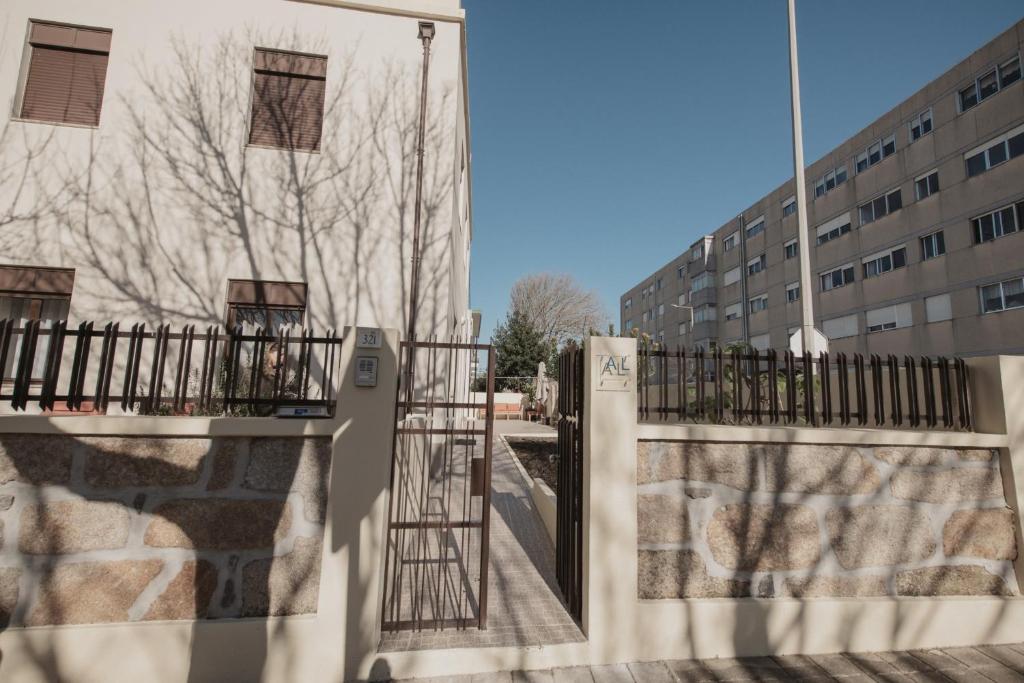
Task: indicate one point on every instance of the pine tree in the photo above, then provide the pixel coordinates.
(520, 348)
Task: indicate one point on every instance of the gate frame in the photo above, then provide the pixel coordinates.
(569, 499)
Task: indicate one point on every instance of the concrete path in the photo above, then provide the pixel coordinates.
(525, 606)
(1001, 664)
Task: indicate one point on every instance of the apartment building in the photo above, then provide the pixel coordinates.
(233, 162)
(916, 230)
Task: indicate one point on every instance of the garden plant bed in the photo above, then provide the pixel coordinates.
(534, 454)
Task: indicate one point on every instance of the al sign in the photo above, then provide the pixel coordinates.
(614, 372)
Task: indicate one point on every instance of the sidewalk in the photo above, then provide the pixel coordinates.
(1002, 664)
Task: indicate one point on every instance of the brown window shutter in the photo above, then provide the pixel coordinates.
(66, 75)
(288, 100)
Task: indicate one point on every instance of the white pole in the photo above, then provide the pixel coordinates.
(806, 294)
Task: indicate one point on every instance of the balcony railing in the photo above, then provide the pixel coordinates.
(135, 371)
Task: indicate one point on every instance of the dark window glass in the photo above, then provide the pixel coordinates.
(874, 154)
(996, 154)
(830, 182)
(862, 164)
(878, 206)
(865, 214)
(1006, 220)
(889, 147)
(841, 176)
(1013, 293)
(915, 131)
(933, 183)
(895, 200)
(988, 85)
(848, 275)
(991, 298)
(926, 125)
(1009, 72)
(976, 164)
(984, 229)
(1016, 145)
(940, 244)
(968, 97)
(899, 258)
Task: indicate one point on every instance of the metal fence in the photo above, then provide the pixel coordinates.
(766, 387)
(569, 518)
(92, 369)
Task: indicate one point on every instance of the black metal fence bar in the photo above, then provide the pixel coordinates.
(238, 373)
(754, 387)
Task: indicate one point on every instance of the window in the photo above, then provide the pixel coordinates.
(880, 206)
(730, 242)
(755, 228)
(645, 317)
(932, 245)
(681, 329)
(732, 276)
(661, 310)
(756, 265)
(888, 318)
(997, 224)
(697, 253)
(288, 100)
(628, 326)
(761, 342)
(734, 311)
(700, 282)
(791, 248)
(989, 84)
(838, 328)
(627, 303)
(1003, 295)
(758, 304)
(265, 305)
(926, 185)
(680, 272)
(994, 152)
(26, 294)
(839, 277)
(66, 74)
(789, 207)
(937, 308)
(921, 125)
(829, 181)
(705, 313)
(658, 284)
(833, 229)
(661, 336)
(792, 292)
(681, 299)
(876, 264)
(875, 152)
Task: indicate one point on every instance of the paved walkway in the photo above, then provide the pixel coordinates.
(524, 605)
(1001, 664)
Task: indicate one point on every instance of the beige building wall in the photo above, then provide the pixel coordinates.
(163, 201)
(959, 273)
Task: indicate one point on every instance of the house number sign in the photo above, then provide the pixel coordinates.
(368, 338)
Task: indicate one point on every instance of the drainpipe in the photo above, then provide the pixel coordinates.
(426, 34)
(743, 280)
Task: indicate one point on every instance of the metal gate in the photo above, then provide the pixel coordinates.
(569, 536)
(439, 514)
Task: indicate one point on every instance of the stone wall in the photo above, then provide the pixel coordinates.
(116, 529)
(781, 520)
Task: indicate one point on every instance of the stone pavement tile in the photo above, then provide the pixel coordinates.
(982, 664)
(494, 677)
(651, 672)
(906, 663)
(688, 670)
(837, 665)
(801, 668)
(746, 669)
(537, 676)
(612, 673)
(573, 674)
(878, 668)
(1006, 656)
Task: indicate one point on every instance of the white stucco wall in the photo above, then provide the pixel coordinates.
(163, 202)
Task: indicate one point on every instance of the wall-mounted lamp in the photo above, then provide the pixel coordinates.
(426, 30)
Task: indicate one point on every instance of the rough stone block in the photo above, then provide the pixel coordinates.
(119, 462)
(188, 594)
(947, 486)
(662, 519)
(292, 464)
(836, 470)
(732, 465)
(6, 501)
(836, 586)
(764, 537)
(950, 580)
(914, 455)
(682, 574)
(878, 535)
(91, 592)
(9, 577)
(289, 584)
(219, 524)
(72, 526)
(225, 455)
(980, 533)
(35, 458)
(975, 454)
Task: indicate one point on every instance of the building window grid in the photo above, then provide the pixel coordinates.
(834, 233)
(758, 304)
(792, 249)
(831, 180)
(895, 259)
(1009, 148)
(789, 207)
(876, 152)
(755, 228)
(989, 83)
(755, 266)
(921, 125)
(792, 292)
(933, 245)
(926, 185)
(837, 277)
(729, 243)
(880, 206)
(999, 223)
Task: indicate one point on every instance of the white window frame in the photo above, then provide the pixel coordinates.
(898, 321)
(832, 271)
(700, 282)
(788, 203)
(998, 228)
(661, 310)
(792, 287)
(785, 248)
(824, 232)
(759, 221)
(919, 121)
(680, 272)
(731, 241)
(627, 303)
(734, 311)
(926, 177)
(758, 264)
(1002, 295)
(931, 237)
(1001, 140)
(697, 253)
(871, 203)
(761, 302)
(1000, 84)
(837, 175)
(879, 257)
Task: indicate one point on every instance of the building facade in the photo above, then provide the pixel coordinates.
(916, 229)
(222, 163)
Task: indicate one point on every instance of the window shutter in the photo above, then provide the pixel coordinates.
(288, 100)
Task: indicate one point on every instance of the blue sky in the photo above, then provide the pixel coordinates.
(608, 135)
